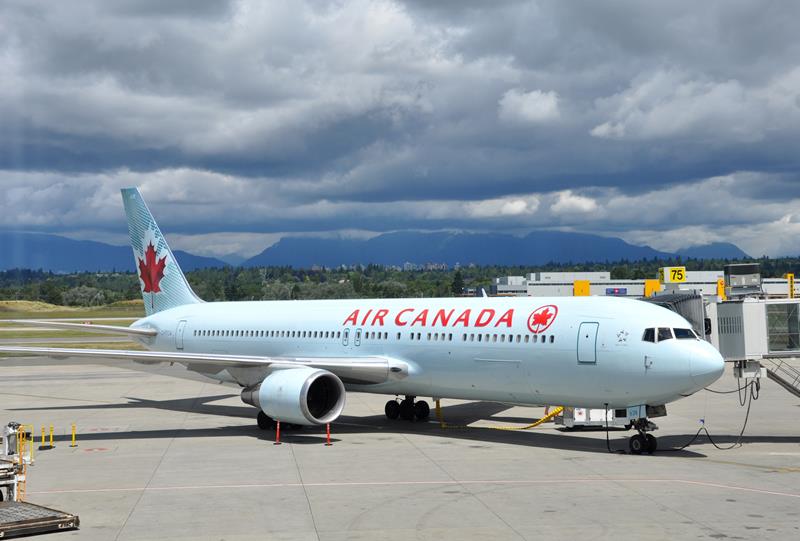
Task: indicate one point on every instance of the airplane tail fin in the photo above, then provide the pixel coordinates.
(163, 284)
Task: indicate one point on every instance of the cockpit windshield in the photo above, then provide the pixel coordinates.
(685, 334)
(661, 334)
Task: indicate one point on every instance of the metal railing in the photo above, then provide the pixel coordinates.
(784, 374)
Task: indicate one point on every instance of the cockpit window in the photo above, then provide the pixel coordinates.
(664, 333)
(649, 335)
(685, 334)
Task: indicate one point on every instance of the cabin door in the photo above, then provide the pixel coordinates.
(179, 334)
(587, 343)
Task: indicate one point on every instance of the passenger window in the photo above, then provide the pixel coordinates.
(552, 338)
(649, 335)
(527, 338)
(685, 334)
(479, 337)
(664, 333)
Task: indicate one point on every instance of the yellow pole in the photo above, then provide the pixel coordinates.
(42, 436)
(439, 413)
(51, 437)
(73, 436)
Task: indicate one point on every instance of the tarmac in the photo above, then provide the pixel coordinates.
(160, 457)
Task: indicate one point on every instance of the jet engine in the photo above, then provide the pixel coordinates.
(304, 396)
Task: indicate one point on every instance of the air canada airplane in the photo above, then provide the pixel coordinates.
(295, 360)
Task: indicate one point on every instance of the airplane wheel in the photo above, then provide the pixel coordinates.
(392, 409)
(265, 422)
(422, 410)
(652, 443)
(637, 444)
(407, 410)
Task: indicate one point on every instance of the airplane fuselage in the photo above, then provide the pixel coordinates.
(586, 351)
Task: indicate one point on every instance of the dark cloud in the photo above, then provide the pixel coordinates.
(372, 116)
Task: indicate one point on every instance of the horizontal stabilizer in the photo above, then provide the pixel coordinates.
(360, 370)
(85, 327)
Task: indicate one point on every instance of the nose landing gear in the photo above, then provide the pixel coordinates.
(407, 409)
(643, 442)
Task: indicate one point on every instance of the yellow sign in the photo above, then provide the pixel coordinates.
(790, 279)
(581, 288)
(651, 287)
(721, 289)
(672, 275)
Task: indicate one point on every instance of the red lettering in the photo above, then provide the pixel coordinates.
(441, 317)
(379, 316)
(506, 318)
(480, 321)
(421, 318)
(364, 321)
(400, 313)
(463, 319)
(352, 318)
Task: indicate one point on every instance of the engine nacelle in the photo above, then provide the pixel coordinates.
(304, 396)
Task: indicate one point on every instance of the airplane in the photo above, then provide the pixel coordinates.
(296, 360)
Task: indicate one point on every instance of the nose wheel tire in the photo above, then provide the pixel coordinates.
(646, 443)
(392, 409)
(652, 443)
(265, 422)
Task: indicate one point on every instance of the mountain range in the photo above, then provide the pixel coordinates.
(60, 254)
(536, 248)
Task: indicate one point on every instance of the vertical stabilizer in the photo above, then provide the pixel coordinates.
(163, 284)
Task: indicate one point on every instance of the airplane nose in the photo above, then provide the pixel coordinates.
(707, 366)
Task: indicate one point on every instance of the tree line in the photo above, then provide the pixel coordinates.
(370, 281)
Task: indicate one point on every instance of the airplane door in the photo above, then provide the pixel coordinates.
(179, 334)
(345, 337)
(587, 343)
(357, 338)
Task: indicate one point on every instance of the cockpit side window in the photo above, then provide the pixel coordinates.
(649, 335)
(664, 333)
(685, 334)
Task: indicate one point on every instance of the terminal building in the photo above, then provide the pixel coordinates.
(563, 284)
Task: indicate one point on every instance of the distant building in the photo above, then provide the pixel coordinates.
(561, 284)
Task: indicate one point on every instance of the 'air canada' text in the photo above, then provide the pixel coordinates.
(432, 318)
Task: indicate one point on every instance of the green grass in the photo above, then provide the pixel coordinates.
(41, 310)
(51, 333)
(84, 345)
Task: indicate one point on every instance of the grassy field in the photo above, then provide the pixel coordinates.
(41, 310)
(131, 310)
(84, 345)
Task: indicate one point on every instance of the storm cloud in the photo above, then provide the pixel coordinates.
(667, 124)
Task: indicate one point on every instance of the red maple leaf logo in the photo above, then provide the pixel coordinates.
(151, 271)
(542, 318)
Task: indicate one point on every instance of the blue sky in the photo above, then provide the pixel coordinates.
(669, 124)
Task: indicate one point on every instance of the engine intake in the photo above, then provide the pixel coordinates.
(305, 396)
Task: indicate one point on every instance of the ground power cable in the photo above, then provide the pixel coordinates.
(746, 393)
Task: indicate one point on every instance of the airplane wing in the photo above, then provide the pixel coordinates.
(362, 370)
(85, 327)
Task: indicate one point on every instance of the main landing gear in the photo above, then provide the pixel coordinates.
(407, 409)
(643, 442)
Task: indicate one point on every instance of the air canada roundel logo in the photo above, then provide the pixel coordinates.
(541, 318)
